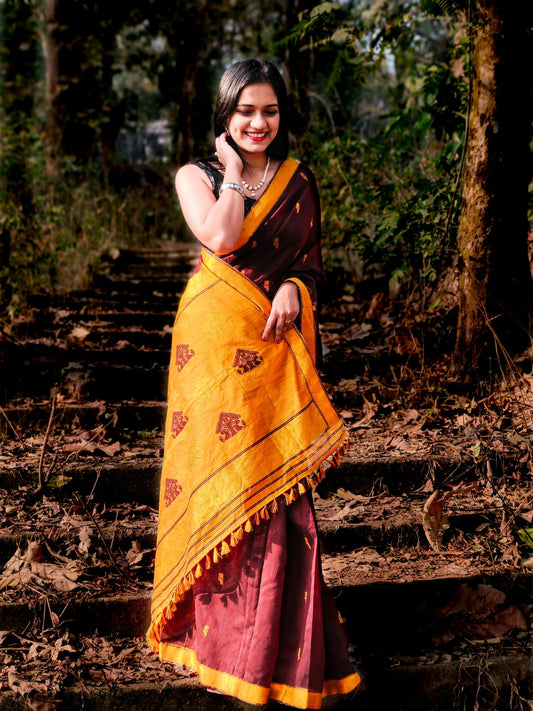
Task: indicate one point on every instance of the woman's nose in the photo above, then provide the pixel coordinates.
(258, 121)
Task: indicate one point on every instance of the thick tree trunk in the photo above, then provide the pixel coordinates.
(495, 293)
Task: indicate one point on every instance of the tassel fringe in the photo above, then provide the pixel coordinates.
(305, 484)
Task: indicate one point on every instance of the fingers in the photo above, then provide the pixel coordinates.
(226, 153)
(278, 324)
(220, 146)
(285, 308)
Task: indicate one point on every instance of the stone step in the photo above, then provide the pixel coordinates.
(109, 481)
(153, 264)
(155, 273)
(487, 682)
(119, 538)
(94, 301)
(122, 283)
(399, 614)
(179, 254)
(138, 476)
(142, 416)
(402, 533)
(109, 339)
(111, 615)
(135, 475)
(400, 473)
(59, 324)
(157, 319)
(111, 375)
(56, 355)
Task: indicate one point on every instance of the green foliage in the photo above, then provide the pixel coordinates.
(526, 536)
(322, 24)
(378, 114)
(443, 7)
(387, 177)
(77, 220)
(385, 208)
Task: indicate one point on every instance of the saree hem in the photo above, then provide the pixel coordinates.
(253, 693)
(224, 547)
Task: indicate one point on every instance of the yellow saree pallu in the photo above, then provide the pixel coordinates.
(225, 467)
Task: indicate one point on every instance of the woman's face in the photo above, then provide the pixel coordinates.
(254, 123)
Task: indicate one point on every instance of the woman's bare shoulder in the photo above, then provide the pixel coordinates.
(191, 177)
(190, 170)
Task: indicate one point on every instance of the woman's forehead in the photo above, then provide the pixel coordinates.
(258, 95)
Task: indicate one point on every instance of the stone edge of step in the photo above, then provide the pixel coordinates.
(422, 686)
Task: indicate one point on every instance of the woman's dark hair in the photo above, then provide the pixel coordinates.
(234, 80)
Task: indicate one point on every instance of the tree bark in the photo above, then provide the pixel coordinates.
(74, 92)
(298, 70)
(495, 290)
(185, 138)
(50, 44)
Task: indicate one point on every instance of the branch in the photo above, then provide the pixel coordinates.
(99, 530)
(16, 432)
(40, 482)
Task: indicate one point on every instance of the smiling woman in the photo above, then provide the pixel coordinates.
(238, 592)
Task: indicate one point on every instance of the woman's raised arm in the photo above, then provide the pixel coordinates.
(215, 223)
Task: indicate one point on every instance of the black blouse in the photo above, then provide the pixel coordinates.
(216, 176)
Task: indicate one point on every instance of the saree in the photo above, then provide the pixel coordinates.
(238, 593)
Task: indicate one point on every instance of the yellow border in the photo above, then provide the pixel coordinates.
(266, 202)
(253, 693)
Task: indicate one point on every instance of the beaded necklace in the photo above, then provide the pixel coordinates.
(254, 188)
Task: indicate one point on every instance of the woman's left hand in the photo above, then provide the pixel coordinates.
(285, 308)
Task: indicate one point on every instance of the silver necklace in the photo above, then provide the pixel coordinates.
(254, 188)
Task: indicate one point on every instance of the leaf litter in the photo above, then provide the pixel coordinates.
(394, 406)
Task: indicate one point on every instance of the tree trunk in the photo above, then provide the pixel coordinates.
(73, 82)
(52, 135)
(298, 70)
(495, 290)
(185, 138)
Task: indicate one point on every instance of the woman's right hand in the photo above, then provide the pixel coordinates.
(227, 155)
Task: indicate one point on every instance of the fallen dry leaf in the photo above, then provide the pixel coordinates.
(93, 448)
(35, 695)
(30, 567)
(477, 613)
(80, 333)
(434, 518)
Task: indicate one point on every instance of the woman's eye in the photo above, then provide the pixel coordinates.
(248, 112)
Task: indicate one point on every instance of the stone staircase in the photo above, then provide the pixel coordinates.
(83, 388)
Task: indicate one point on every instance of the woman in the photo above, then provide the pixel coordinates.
(238, 592)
